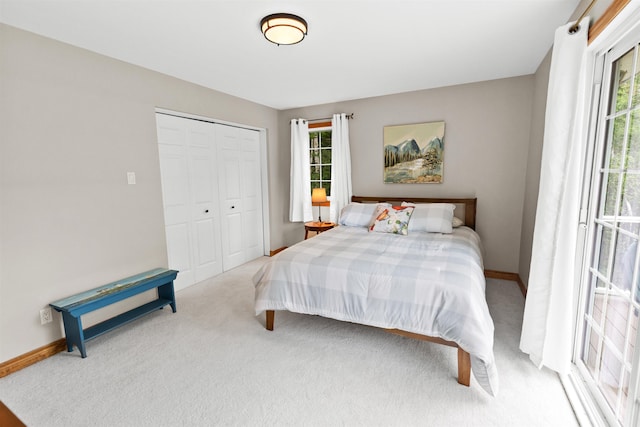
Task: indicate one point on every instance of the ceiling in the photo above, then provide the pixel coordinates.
(354, 48)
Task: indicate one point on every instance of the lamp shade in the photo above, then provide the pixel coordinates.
(283, 28)
(318, 196)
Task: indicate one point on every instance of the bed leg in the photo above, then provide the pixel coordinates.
(464, 367)
(270, 316)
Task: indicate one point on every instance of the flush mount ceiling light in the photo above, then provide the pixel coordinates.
(283, 28)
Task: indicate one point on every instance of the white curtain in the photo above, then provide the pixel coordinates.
(547, 330)
(340, 166)
(300, 177)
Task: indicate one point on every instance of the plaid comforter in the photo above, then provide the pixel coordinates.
(427, 283)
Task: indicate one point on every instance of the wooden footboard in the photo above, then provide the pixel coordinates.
(464, 358)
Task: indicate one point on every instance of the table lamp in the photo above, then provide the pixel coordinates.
(319, 198)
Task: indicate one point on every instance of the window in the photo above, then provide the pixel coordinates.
(320, 156)
(608, 358)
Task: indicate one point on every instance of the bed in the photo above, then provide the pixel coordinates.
(426, 285)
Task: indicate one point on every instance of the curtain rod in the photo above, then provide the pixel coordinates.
(349, 116)
(575, 27)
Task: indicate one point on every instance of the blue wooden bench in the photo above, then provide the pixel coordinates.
(73, 307)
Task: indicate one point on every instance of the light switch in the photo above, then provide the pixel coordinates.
(131, 178)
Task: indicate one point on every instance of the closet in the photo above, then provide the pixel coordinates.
(212, 195)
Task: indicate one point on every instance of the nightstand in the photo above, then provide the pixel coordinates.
(318, 227)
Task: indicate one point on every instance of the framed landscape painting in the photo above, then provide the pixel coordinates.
(414, 154)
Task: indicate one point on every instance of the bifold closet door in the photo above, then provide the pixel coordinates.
(239, 175)
(190, 195)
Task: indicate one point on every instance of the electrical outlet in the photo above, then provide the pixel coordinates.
(45, 316)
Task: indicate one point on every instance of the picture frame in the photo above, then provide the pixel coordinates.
(414, 153)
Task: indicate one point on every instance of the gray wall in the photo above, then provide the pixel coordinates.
(73, 124)
(534, 157)
(487, 128)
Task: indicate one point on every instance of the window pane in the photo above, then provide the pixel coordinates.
(621, 75)
(327, 187)
(633, 150)
(611, 195)
(590, 353)
(326, 173)
(634, 332)
(325, 139)
(598, 301)
(315, 173)
(610, 371)
(630, 198)
(616, 322)
(625, 396)
(326, 156)
(314, 140)
(624, 262)
(314, 157)
(315, 184)
(605, 249)
(617, 142)
(636, 84)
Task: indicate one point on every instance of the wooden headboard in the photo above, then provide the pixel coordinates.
(469, 204)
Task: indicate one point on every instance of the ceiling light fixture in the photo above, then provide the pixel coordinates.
(283, 28)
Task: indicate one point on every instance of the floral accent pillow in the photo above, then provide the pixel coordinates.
(391, 219)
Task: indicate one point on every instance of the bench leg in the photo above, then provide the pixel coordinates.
(83, 351)
(74, 333)
(166, 292)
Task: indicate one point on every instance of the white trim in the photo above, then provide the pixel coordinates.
(617, 29)
(597, 405)
(586, 411)
(206, 119)
(264, 158)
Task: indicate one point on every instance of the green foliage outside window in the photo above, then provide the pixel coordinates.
(320, 159)
(623, 168)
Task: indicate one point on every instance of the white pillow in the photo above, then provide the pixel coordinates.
(358, 214)
(431, 217)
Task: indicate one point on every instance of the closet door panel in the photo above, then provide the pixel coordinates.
(190, 197)
(240, 194)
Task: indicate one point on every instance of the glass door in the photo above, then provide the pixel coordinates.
(608, 358)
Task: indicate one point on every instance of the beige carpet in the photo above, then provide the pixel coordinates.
(213, 363)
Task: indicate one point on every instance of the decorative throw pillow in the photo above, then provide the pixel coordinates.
(457, 222)
(391, 219)
(432, 217)
(358, 214)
